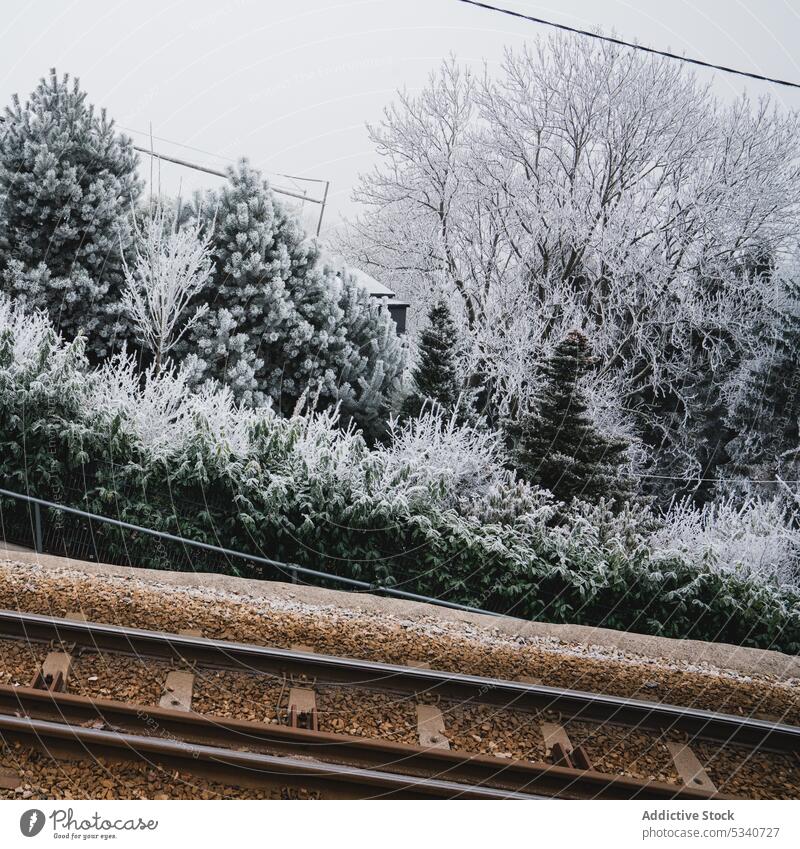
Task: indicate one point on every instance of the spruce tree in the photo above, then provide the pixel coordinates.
(556, 445)
(370, 364)
(435, 378)
(68, 182)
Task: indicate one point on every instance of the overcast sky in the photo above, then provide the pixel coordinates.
(291, 83)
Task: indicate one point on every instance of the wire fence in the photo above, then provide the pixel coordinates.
(647, 603)
(58, 529)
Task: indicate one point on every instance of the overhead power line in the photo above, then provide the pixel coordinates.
(215, 155)
(218, 173)
(321, 201)
(631, 45)
(277, 189)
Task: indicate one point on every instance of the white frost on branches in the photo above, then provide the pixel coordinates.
(585, 186)
(163, 411)
(171, 266)
(755, 539)
(427, 466)
(438, 454)
(23, 332)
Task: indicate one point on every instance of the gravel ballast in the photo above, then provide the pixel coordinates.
(401, 632)
(341, 624)
(44, 777)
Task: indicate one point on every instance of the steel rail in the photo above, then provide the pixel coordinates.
(466, 768)
(573, 704)
(239, 767)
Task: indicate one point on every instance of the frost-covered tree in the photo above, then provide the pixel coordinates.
(283, 328)
(169, 267)
(370, 364)
(259, 337)
(754, 537)
(763, 395)
(586, 185)
(68, 180)
(556, 445)
(435, 378)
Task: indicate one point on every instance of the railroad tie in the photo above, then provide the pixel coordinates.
(53, 673)
(559, 749)
(303, 708)
(418, 664)
(528, 679)
(430, 727)
(9, 779)
(178, 690)
(76, 615)
(689, 768)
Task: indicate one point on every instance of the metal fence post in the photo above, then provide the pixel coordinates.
(38, 542)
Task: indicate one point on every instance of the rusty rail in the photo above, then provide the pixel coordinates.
(242, 768)
(523, 778)
(572, 704)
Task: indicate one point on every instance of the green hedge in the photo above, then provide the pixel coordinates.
(271, 502)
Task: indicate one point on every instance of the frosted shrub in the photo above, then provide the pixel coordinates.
(153, 406)
(433, 511)
(225, 423)
(309, 451)
(25, 333)
(170, 266)
(756, 539)
(36, 364)
(162, 412)
(454, 464)
(599, 527)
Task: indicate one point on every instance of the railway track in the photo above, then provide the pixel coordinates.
(244, 768)
(258, 753)
(402, 768)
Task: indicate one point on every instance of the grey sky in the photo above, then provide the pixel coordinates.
(291, 84)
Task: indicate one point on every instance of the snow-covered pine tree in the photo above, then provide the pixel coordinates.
(259, 252)
(282, 327)
(371, 363)
(556, 445)
(69, 182)
(435, 378)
